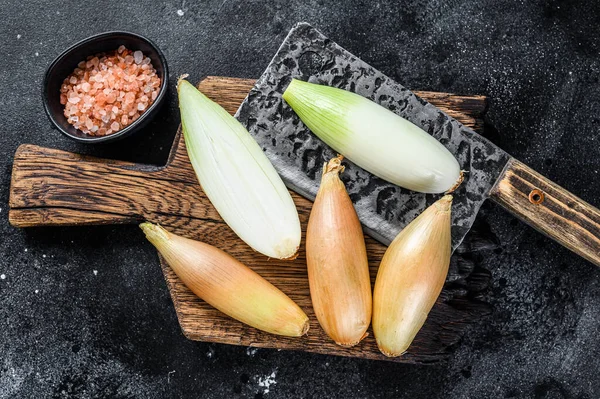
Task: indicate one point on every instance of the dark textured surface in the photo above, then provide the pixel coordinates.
(69, 332)
(383, 208)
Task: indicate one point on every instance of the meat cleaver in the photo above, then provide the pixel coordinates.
(383, 208)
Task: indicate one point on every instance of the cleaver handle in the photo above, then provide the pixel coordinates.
(550, 209)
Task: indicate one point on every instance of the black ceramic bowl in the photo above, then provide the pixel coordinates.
(65, 63)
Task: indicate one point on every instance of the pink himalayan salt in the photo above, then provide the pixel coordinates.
(109, 91)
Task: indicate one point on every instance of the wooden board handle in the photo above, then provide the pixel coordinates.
(57, 188)
(550, 209)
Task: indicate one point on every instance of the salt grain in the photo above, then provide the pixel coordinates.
(138, 56)
(267, 381)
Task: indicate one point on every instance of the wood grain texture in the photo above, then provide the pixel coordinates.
(468, 110)
(550, 209)
(52, 187)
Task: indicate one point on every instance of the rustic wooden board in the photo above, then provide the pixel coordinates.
(56, 188)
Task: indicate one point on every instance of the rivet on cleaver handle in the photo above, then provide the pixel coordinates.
(550, 209)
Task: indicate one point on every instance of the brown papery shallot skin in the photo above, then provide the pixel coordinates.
(410, 278)
(228, 285)
(338, 270)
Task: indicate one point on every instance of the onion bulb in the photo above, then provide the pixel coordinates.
(410, 278)
(375, 138)
(228, 285)
(237, 176)
(338, 270)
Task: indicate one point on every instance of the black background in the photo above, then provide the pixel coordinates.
(84, 312)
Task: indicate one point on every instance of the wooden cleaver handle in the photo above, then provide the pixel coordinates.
(549, 208)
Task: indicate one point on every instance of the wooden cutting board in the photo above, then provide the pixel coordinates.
(55, 188)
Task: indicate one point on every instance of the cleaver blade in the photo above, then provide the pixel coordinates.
(384, 208)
